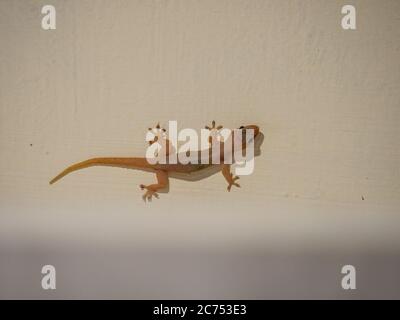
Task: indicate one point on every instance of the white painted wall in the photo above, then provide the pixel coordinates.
(326, 99)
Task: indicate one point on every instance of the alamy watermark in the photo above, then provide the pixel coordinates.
(349, 280)
(49, 278)
(215, 145)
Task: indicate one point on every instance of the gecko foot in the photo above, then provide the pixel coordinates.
(159, 134)
(215, 135)
(233, 183)
(148, 195)
(158, 131)
(213, 126)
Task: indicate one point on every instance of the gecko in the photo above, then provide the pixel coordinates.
(164, 171)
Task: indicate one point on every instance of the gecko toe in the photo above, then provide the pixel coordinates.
(233, 184)
(148, 196)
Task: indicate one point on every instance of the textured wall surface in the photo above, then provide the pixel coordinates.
(325, 191)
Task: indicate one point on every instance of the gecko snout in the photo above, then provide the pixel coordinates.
(252, 126)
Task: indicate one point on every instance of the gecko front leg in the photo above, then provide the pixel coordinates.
(160, 137)
(230, 178)
(162, 182)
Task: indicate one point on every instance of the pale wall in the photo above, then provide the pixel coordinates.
(326, 99)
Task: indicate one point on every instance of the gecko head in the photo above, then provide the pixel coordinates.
(257, 139)
(253, 127)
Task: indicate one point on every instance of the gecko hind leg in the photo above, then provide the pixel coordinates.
(162, 182)
(229, 177)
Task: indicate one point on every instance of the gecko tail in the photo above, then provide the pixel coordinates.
(130, 163)
(75, 167)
